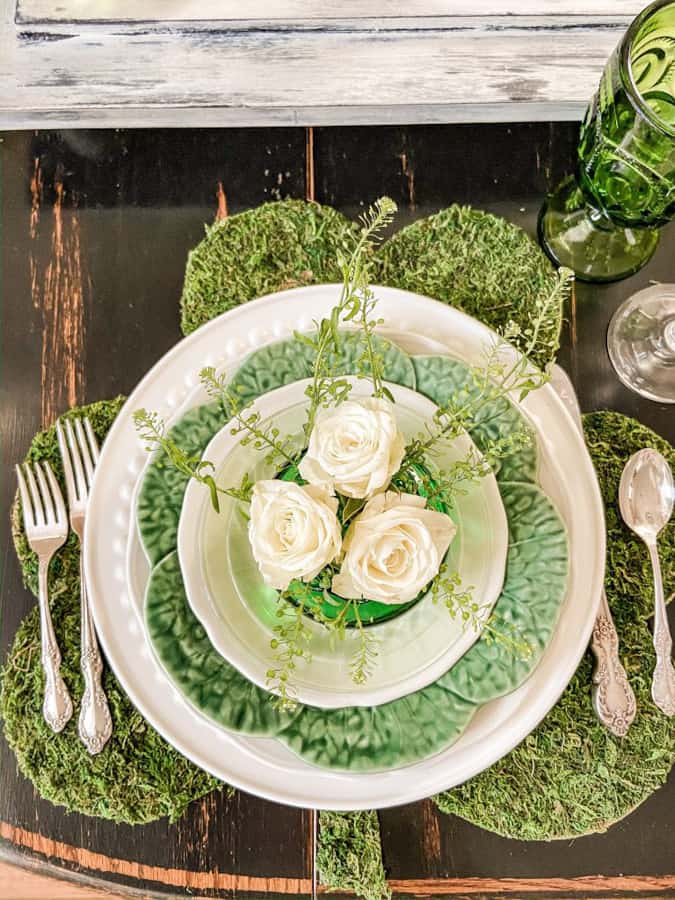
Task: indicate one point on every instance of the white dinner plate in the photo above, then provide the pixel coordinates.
(263, 766)
(226, 592)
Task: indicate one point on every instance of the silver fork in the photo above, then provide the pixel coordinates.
(46, 526)
(79, 454)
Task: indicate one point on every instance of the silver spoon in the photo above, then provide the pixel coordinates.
(646, 496)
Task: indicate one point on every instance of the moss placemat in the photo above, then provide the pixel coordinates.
(470, 259)
(271, 248)
(570, 776)
(480, 263)
(138, 777)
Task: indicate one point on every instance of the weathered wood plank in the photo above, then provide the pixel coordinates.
(243, 117)
(404, 68)
(302, 11)
(184, 880)
(642, 885)
(59, 286)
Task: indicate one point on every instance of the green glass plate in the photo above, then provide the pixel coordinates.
(360, 739)
(370, 611)
(439, 378)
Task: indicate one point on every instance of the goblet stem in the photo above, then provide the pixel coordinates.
(582, 237)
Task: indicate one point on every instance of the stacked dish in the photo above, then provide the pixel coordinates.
(186, 620)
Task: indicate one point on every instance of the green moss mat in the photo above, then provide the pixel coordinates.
(470, 259)
(138, 777)
(475, 261)
(571, 776)
(270, 248)
(349, 854)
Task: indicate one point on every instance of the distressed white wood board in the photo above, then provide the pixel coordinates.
(401, 70)
(305, 10)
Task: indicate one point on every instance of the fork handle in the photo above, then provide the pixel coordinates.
(95, 724)
(613, 696)
(57, 707)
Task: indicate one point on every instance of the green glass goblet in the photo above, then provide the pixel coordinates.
(603, 223)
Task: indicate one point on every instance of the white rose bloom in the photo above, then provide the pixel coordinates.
(354, 448)
(293, 530)
(393, 549)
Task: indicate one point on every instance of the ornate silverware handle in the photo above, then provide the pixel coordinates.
(663, 682)
(57, 707)
(613, 697)
(95, 723)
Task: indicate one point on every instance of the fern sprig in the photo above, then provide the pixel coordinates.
(152, 431)
(364, 659)
(289, 645)
(355, 304)
(247, 422)
(496, 380)
(447, 589)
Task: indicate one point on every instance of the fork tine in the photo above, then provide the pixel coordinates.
(93, 443)
(85, 454)
(71, 489)
(57, 496)
(26, 505)
(66, 459)
(35, 495)
(46, 497)
(76, 461)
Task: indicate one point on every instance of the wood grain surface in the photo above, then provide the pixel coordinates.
(18, 884)
(300, 11)
(96, 226)
(78, 64)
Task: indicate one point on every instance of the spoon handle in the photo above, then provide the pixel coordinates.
(663, 682)
(613, 697)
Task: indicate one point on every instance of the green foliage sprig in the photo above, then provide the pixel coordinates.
(365, 656)
(152, 430)
(356, 304)
(289, 645)
(291, 640)
(448, 590)
(248, 423)
(446, 484)
(490, 383)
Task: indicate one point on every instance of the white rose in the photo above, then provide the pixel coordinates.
(393, 549)
(354, 448)
(293, 530)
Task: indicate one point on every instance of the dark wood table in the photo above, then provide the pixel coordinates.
(96, 226)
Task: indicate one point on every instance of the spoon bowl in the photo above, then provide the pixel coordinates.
(646, 493)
